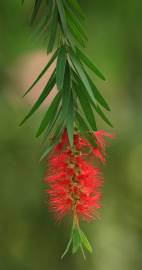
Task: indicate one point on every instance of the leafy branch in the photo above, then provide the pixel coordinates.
(77, 97)
(77, 101)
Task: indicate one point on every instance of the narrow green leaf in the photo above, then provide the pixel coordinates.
(81, 74)
(52, 124)
(89, 63)
(67, 248)
(85, 241)
(82, 122)
(42, 97)
(36, 9)
(54, 141)
(66, 92)
(83, 128)
(97, 108)
(53, 29)
(83, 253)
(44, 21)
(98, 95)
(50, 4)
(74, 21)
(71, 8)
(43, 71)
(40, 27)
(76, 240)
(91, 139)
(62, 16)
(102, 115)
(49, 116)
(70, 120)
(95, 91)
(76, 34)
(85, 104)
(75, 8)
(69, 243)
(60, 69)
(48, 149)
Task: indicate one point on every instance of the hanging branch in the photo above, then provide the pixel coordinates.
(69, 123)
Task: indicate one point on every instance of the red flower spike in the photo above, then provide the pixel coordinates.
(74, 182)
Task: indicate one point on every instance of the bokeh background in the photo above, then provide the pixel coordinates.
(29, 238)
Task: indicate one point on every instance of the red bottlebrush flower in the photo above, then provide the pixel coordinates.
(100, 151)
(100, 138)
(74, 182)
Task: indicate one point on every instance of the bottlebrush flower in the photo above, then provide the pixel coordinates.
(74, 182)
(100, 150)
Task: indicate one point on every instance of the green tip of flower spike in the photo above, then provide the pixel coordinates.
(78, 240)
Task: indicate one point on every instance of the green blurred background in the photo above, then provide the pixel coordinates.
(29, 238)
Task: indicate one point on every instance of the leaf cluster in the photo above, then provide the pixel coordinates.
(78, 240)
(78, 100)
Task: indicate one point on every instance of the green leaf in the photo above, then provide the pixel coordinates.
(93, 104)
(42, 97)
(69, 243)
(62, 16)
(43, 71)
(49, 116)
(82, 122)
(36, 9)
(83, 252)
(95, 91)
(53, 29)
(75, 7)
(48, 149)
(81, 74)
(67, 248)
(86, 108)
(91, 139)
(70, 120)
(74, 21)
(44, 21)
(38, 31)
(76, 34)
(52, 124)
(54, 141)
(102, 115)
(85, 241)
(50, 5)
(60, 70)
(66, 92)
(89, 63)
(98, 95)
(87, 98)
(83, 128)
(76, 240)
